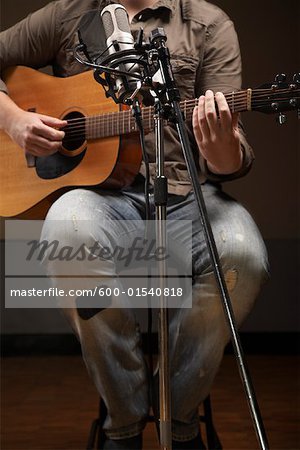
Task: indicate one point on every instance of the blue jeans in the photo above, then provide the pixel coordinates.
(110, 339)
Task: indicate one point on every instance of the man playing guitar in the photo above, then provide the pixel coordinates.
(206, 61)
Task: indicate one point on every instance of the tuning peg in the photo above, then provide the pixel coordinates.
(296, 78)
(280, 78)
(281, 119)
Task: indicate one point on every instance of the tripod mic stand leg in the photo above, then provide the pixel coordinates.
(160, 199)
(226, 302)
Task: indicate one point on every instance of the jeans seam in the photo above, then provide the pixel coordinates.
(128, 431)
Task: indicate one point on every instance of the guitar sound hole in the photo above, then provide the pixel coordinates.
(58, 164)
(75, 131)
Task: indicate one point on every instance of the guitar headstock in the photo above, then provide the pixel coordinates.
(278, 97)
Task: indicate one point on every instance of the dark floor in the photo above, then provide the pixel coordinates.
(49, 403)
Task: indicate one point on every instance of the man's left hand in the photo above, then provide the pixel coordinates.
(217, 135)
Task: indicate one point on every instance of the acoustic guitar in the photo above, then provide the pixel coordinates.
(101, 144)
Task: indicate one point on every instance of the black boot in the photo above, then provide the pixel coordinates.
(133, 443)
(194, 444)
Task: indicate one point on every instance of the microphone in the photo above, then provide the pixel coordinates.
(118, 37)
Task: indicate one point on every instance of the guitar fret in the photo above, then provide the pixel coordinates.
(113, 125)
(150, 115)
(90, 134)
(86, 127)
(117, 124)
(249, 99)
(131, 123)
(143, 115)
(122, 122)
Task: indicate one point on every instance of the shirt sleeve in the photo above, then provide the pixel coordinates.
(221, 71)
(32, 42)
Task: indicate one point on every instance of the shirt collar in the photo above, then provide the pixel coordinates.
(168, 4)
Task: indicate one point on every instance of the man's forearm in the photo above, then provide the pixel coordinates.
(8, 109)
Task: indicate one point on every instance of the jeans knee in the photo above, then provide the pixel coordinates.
(70, 203)
(245, 268)
(243, 253)
(251, 261)
(75, 220)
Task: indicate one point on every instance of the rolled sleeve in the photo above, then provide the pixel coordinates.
(248, 159)
(221, 71)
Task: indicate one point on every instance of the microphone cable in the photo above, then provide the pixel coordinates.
(137, 113)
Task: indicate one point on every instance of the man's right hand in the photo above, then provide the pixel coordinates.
(37, 134)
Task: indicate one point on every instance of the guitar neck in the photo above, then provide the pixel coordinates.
(122, 122)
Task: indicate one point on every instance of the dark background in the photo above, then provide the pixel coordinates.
(269, 38)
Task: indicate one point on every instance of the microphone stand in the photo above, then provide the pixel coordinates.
(160, 200)
(158, 39)
(168, 104)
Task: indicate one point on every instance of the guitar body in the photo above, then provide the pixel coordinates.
(110, 162)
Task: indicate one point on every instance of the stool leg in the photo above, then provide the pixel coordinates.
(97, 436)
(212, 437)
(102, 416)
(94, 430)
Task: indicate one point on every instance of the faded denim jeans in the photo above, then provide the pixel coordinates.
(110, 339)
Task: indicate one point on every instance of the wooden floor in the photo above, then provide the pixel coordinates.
(49, 403)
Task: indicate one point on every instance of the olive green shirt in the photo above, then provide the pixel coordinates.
(204, 55)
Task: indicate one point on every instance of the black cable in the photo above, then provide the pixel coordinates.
(110, 70)
(137, 113)
(138, 117)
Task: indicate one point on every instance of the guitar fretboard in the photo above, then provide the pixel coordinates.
(118, 123)
(123, 122)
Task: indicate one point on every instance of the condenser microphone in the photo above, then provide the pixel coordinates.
(118, 37)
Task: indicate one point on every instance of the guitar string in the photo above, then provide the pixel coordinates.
(234, 101)
(149, 110)
(130, 126)
(115, 115)
(77, 133)
(238, 95)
